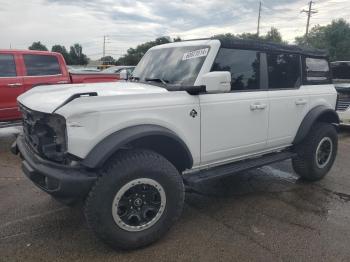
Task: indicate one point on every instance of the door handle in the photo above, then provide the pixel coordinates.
(301, 102)
(14, 85)
(257, 106)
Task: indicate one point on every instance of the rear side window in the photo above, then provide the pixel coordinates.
(244, 66)
(341, 70)
(7, 66)
(41, 65)
(283, 71)
(317, 70)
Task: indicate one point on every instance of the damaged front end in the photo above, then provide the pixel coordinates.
(45, 134)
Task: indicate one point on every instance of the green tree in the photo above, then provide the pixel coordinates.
(177, 39)
(249, 36)
(273, 35)
(77, 56)
(108, 60)
(38, 46)
(225, 36)
(62, 50)
(335, 38)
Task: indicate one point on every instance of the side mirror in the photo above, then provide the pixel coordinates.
(217, 82)
(124, 75)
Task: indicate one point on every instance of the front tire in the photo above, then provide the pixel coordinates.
(317, 152)
(136, 200)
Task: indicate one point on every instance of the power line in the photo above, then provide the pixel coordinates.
(309, 13)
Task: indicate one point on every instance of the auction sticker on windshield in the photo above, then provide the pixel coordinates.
(195, 54)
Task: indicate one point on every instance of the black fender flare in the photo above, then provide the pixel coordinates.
(319, 113)
(112, 143)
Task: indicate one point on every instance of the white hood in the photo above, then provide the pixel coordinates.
(48, 98)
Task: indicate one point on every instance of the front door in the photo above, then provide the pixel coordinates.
(235, 124)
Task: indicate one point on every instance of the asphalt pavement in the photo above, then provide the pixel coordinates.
(263, 215)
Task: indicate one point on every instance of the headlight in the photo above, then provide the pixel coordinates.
(45, 134)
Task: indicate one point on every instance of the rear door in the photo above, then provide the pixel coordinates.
(11, 86)
(289, 100)
(43, 69)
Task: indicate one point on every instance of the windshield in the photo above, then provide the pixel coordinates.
(341, 70)
(176, 66)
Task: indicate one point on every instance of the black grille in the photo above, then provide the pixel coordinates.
(45, 134)
(343, 102)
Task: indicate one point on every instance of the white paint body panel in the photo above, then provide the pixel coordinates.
(289, 107)
(287, 110)
(48, 98)
(230, 128)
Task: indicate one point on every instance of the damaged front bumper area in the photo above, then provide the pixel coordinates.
(67, 183)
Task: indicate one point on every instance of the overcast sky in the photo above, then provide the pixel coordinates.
(130, 22)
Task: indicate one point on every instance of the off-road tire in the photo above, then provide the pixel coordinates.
(305, 164)
(122, 168)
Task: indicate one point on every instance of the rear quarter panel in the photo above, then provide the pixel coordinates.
(325, 95)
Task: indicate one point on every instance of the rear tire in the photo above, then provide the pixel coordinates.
(136, 200)
(317, 152)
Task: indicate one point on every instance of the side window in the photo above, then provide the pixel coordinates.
(7, 66)
(41, 65)
(244, 66)
(283, 71)
(317, 70)
(341, 70)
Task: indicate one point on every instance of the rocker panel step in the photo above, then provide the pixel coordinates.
(231, 169)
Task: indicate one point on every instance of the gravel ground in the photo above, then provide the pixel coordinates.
(261, 215)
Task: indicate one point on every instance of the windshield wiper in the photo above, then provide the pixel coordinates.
(163, 81)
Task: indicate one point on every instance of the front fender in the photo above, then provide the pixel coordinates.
(109, 145)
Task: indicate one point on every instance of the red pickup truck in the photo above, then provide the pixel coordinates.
(21, 70)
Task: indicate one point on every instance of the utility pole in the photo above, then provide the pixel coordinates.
(104, 46)
(258, 30)
(309, 13)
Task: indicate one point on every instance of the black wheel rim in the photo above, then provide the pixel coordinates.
(324, 152)
(139, 204)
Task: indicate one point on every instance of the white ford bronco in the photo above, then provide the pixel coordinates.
(192, 111)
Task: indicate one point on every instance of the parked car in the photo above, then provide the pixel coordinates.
(192, 112)
(22, 70)
(341, 79)
(73, 69)
(118, 69)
